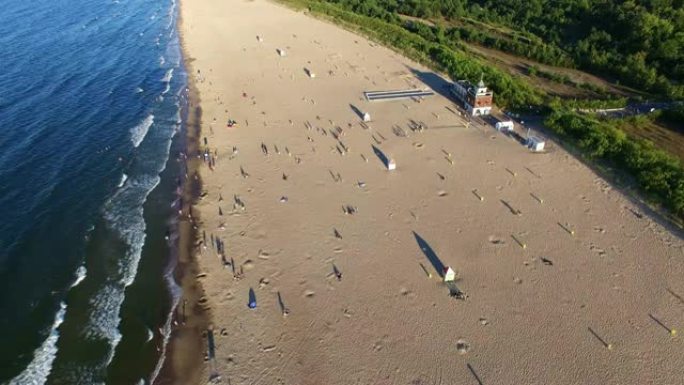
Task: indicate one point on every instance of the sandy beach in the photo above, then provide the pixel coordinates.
(565, 279)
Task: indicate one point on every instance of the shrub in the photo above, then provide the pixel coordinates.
(658, 174)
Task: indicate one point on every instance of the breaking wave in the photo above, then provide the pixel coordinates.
(168, 75)
(124, 214)
(124, 177)
(80, 275)
(139, 132)
(37, 372)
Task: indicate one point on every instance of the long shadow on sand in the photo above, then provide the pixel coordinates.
(430, 254)
(381, 155)
(434, 81)
(356, 110)
(252, 299)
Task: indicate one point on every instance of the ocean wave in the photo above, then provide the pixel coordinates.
(168, 75)
(37, 372)
(124, 177)
(104, 316)
(139, 132)
(102, 306)
(124, 214)
(166, 330)
(80, 275)
(171, 15)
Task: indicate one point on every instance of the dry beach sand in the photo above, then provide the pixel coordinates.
(307, 216)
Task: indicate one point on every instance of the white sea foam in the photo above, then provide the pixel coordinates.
(171, 15)
(166, 333)
(75, 374)
(140, 130)
(104, 315)
(38, 370)
(80, 275)
(168, 75)
(124, 215)
(166, 330)
(124, 177)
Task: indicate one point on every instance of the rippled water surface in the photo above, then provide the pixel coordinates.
(91, 99)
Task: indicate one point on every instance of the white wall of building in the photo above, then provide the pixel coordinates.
(477, 111)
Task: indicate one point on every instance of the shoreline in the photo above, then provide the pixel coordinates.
(185, 350)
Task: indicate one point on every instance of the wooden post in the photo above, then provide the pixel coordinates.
(523, 245)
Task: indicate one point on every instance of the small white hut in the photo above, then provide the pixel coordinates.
(449, 274)
(366, 117)
(535, 144)
(391, 165)
(504, 126)
(281, 52)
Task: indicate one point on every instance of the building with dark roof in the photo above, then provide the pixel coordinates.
(476, 99)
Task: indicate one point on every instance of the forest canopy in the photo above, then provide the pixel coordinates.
(636, 43)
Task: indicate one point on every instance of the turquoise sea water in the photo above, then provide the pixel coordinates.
(92, 94)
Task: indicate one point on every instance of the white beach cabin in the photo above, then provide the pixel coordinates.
(449, 274)
(504, 126)
(535, 144)
(391, 165)
(366, 117)
(281, 52)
